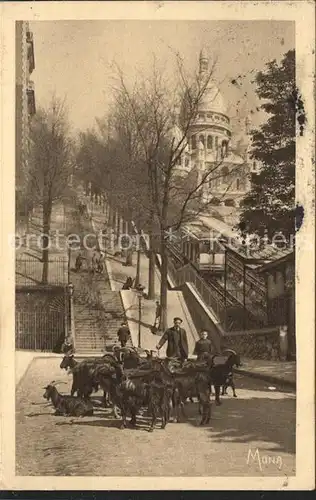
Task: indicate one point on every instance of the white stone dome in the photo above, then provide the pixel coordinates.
(212, 100)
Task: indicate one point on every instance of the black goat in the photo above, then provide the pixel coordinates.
(82, 383)
(190, 380)
(67, 405)
(229, 383)
(83, 375)
(131, 391)
(130, 358)
(219, 374)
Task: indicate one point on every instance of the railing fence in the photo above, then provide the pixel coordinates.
(229, 311)
(28, 271)
(39, 330)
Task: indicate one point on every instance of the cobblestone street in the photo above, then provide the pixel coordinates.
(95, 446)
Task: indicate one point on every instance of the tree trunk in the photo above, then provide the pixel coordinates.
(151, 269)
(151, 275)
(129, 257)
(47, 213)
(118, 226)
(164, 283)
(137, 268)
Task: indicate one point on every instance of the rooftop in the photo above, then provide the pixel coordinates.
(267, 256)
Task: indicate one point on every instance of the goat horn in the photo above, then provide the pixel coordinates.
(57, 382)
(230, 350)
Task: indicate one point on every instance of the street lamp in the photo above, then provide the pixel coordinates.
(139, 291)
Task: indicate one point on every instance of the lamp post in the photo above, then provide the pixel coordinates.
(70, 330)
(69, 263)
(139, 291)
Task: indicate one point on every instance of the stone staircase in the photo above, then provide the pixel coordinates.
(96, 324)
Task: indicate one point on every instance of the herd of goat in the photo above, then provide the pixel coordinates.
(131, 382)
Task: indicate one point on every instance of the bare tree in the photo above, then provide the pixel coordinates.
(152, 107)
(150, 124)
(52, 163)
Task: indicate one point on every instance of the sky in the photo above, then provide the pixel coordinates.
(74, 59)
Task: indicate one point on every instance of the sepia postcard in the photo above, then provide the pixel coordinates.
(157, 245)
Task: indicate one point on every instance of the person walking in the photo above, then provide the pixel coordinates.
(101, 262)
(157, 314)
(176, 337)
(123, 334)
(95, 260)
(128, 283)
(79, 261)
(203, 347)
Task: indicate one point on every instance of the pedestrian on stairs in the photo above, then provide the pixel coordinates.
(123, 334)
(79, 261)
(95, 260)
(157, 314)
(101, 262)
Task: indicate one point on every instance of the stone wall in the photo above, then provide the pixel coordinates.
(254, 346)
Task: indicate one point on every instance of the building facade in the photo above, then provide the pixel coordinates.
(25, 109)
(209, 148)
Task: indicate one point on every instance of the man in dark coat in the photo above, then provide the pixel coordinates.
(123, 334)
(177, 341)
(158, 313)
(203, 347)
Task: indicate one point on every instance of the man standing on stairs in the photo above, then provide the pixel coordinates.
(177, 341)
(123, 334)
(158, 313)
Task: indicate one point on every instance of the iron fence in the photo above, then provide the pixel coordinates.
(29, 271)
(39, 330)
(228, 310)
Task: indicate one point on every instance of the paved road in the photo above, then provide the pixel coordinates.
(58, 446)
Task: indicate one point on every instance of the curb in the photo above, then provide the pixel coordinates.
(18, 383)
(267, 378)
(34, 358)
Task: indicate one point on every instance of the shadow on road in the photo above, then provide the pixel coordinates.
(243, 381)
(253, 419)
(142, 423)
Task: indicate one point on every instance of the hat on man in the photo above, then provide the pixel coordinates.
(177, 319)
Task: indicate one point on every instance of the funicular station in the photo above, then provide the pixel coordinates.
(249, 291)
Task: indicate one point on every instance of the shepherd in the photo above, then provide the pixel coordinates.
(177, 341)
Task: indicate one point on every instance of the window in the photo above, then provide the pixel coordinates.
(186, 162)
(193, 142)
(202, 139)
(254, 166)
(209, 142)
(216, 142)
(237, 184)
(179, 160)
